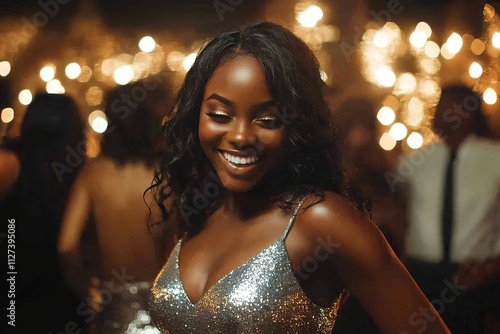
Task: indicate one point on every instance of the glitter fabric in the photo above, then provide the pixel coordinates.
(261, 296)
(123, 309)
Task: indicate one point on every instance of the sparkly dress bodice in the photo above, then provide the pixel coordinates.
(262, 295)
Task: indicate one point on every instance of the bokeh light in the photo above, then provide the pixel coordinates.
(415, 140)
(4, 68)
(189, 61)
(123, 74)
(495, 40)
(147, 44)
(73, 70)
(475, 70)
(406, 84)
(490, 96)
(385, 77)
(25, 97)
(174, 60)
(85, 75)
(431, 49)
(387, 142)
(94, 96)
(415, 113)
(454, 43)
(398, 131)
(418, 39)
(386, 116)
(477, 47)
(310, 17)
(7, 115)
(381, 39)
(54, 87)
(425, 28)
(47, 73)
(97, 120)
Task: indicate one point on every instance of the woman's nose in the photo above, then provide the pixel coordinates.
(242, 134)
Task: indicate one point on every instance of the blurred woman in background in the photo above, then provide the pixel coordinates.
(109, 192)
(42, 170)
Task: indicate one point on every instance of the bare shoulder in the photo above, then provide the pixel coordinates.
(337, 220)
(333, 214)
(93, 167)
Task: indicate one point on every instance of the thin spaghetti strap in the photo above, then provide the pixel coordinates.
(292, 219)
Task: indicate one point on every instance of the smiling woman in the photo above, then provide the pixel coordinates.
(239, 132)
(251, 112)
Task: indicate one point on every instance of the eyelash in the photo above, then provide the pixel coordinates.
(215, 114)
(221, 115)
(267, 119)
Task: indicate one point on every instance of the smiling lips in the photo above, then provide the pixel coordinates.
(241, 161)
(239, 165)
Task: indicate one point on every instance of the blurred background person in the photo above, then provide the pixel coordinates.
(454, 213)
(107, 198)
(35, 194)
(366, 164)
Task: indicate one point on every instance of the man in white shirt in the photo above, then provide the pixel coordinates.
(454, 211)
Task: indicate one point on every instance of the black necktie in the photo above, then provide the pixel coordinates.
(448, 207)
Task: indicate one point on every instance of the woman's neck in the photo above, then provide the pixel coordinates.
(245, 205)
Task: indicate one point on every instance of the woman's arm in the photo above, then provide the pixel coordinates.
(371, 270)
(73, 225)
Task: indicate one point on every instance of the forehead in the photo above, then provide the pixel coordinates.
(238, 77)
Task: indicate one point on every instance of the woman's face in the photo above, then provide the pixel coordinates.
(239, 129)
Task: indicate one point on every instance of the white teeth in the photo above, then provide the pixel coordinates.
(239, 160)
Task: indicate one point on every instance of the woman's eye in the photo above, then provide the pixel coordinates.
(269, 122)
(218, 116)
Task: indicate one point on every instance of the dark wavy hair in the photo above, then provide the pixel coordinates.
(52, 153)
(293, 77)
(133, 125)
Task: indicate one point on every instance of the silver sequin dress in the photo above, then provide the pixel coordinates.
(261, 296)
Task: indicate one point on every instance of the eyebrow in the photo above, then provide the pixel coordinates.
(258, 107)
(221, 99)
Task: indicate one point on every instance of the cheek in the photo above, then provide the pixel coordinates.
(208, 134)
(273, 140)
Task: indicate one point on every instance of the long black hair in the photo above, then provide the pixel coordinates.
(293, 77)
(52, 153)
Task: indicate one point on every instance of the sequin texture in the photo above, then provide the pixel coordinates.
(123, 309)
(261, 296)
